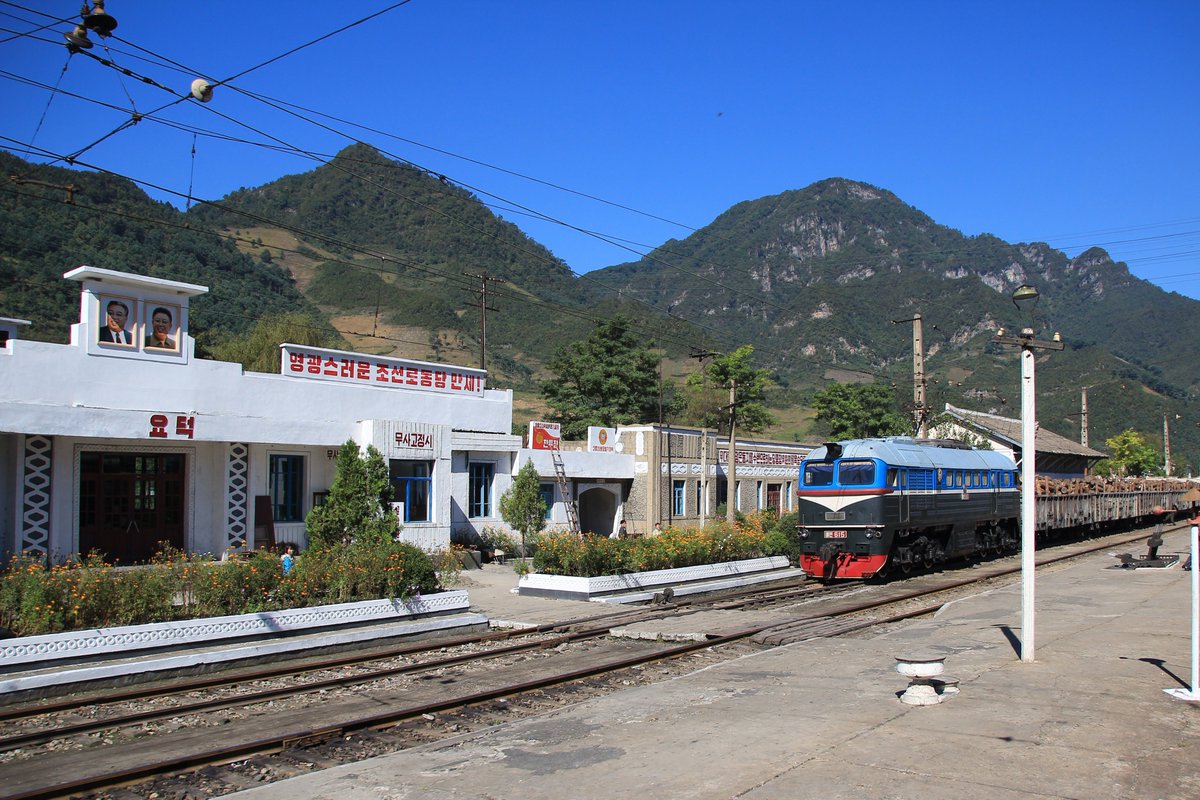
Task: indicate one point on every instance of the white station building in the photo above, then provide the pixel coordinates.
(123, 440)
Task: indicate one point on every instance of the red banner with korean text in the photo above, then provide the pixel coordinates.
(317, 363)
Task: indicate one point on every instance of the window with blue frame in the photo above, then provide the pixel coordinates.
(856, 473)
(818, 474)
(678, 497)
(287, 488)
(481, 475)
(411, 483)
(546, 490)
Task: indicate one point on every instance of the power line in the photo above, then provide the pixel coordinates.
(319, 39)
(754, 298)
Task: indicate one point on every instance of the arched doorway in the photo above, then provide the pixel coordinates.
(597, 511)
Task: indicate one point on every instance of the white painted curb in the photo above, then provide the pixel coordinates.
(46, 649)
(569, 587)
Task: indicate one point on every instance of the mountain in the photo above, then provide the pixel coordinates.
(395, 246)
(54, 219)
(825, 280)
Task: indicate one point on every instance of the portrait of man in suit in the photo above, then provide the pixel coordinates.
(116, 317)
(161, 324)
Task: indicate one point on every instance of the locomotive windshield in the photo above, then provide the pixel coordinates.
(818, 474)
(856, 473)
(849, 473)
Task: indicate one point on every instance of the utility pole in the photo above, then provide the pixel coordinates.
(1166, 447)
(700, 355)
(1083, 421)
(920, 406)
(731, 469)
(1028, 344)
(483, 309)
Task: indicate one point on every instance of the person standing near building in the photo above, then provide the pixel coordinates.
(287, 560)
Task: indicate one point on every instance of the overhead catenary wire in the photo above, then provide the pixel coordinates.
(718, 335)
(16, 5)
(756, 299)
(539, 215)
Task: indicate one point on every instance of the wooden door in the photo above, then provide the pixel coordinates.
(129, 503)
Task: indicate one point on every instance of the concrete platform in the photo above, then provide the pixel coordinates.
(1088, 720)
(490, 592)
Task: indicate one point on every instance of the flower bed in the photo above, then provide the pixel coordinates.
(753, 536)
(88, 593)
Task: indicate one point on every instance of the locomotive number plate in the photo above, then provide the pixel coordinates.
(835, 534)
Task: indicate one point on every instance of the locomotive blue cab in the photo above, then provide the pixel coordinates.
(869, 507)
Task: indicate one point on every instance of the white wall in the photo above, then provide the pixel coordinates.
(96, 401)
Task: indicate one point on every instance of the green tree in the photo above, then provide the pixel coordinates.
(354, 511)
(523, 506)
(856, 411)
(610, 378)
(1131, 455)
(259, 350)
(708, 392)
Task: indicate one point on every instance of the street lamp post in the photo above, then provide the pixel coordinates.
(1027, 296)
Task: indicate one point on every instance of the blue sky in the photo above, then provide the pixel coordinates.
(1073, 123)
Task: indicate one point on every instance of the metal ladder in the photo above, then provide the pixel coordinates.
(564, 490)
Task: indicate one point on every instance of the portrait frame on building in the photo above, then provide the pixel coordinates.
(118, 326)
(161, 324)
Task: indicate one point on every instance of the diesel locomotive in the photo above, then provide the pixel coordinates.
(871, 507)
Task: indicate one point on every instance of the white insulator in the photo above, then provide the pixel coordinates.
(202, 90)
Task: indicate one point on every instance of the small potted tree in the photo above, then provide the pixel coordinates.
(523, 507)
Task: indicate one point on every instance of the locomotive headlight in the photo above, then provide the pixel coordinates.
(803, 533)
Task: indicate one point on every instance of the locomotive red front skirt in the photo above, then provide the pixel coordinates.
(843, 565)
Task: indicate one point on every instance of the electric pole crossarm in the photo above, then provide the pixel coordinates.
(483, 307)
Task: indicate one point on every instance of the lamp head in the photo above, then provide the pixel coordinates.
(1025, 297)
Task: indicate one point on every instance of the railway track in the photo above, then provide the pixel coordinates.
(227, 743)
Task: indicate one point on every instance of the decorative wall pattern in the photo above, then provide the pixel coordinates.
(35, 496)
(237, 496)
(163, 634)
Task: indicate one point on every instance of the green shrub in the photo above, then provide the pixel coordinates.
(88, 593)
(564, 553)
